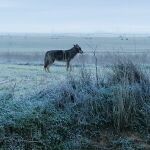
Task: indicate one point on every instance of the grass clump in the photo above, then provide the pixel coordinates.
(128, 73)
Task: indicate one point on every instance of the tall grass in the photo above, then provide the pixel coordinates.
(86, 113)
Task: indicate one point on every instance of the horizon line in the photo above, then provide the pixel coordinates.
(76, 33)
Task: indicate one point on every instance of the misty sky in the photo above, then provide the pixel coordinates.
(69, 16)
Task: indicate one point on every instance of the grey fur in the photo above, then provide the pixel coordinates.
(61, 55)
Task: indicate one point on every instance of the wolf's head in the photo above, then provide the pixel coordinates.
(78, 48)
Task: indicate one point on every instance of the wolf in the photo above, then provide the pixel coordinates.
(61, 55)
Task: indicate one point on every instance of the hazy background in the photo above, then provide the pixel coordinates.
(29, 28)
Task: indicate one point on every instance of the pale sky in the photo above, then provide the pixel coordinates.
(75, 16)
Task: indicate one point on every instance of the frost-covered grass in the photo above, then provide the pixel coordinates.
(77, 110)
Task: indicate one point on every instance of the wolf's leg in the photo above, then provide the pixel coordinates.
(50, 64)
(48, 68)
(68, 65)
(46, 63)
(45, 69)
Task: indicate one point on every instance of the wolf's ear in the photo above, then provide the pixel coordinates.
(74, 45)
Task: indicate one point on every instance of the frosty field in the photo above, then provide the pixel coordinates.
(103, 106)
(63, 110)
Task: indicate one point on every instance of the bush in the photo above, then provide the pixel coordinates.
(123, 101)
